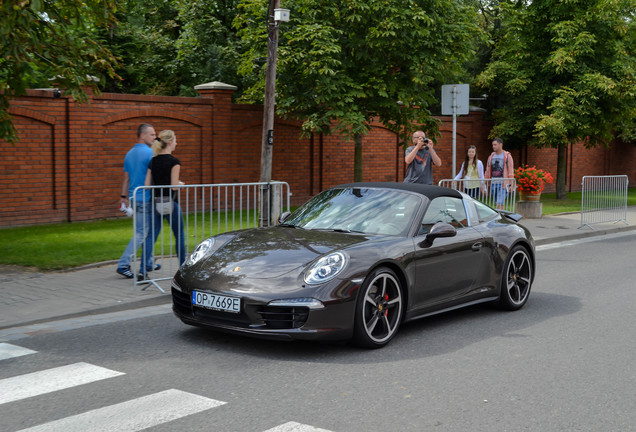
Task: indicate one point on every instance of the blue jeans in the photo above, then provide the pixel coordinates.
(145, 219)
(499, 193)
(176, 224)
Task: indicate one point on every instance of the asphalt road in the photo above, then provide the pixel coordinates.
(563, 363)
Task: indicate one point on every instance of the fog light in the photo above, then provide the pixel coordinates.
(308, 302)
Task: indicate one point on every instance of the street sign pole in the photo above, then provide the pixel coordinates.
(455, 102)
(454, 173)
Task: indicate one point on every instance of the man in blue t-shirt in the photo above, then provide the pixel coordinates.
(135, 168)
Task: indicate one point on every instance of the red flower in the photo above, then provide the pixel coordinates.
(531, 179)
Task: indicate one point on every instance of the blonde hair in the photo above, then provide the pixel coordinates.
(164, 138)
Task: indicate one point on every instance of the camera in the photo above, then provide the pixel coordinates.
(425, 143)
(126, 210)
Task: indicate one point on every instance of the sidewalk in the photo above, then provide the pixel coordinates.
(34, 297)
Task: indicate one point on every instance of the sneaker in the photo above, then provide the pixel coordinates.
(141, 277)
(157, 267)
(125, 272)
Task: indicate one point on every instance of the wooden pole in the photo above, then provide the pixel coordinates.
(269, 103)
(267, 142)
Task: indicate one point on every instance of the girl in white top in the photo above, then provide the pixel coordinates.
(472, 172)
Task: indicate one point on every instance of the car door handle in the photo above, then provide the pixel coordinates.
(477, 247)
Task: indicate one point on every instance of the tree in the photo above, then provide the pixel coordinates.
(563, 71)
(44, 40)
(208, 46)
(168, 47)
(343, 64)
(144, 40)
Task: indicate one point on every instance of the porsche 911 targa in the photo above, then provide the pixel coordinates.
(355, 262)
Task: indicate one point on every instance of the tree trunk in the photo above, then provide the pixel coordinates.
(561, 172)
(357, 158)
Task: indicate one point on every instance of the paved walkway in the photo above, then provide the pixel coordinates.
(33, 297)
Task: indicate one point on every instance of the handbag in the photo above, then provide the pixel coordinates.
(164, 205)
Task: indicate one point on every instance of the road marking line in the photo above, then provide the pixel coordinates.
(8, 351)
(50, 380)
(575, 242)
(295, 427)
(133, 415)
(14, 333)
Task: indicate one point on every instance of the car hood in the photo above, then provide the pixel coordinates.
(265, 253)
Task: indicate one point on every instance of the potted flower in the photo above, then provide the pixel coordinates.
(530, 182)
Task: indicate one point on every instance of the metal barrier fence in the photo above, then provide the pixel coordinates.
(192, 213)
(496, 193)
(604, 199)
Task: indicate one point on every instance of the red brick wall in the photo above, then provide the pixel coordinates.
(68, 164)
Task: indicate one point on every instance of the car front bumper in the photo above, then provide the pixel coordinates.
(258, 318)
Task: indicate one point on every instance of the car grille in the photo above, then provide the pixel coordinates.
(272, 317)
(282, 317)
(181, 302)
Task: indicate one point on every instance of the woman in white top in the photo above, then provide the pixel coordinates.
(471, 172)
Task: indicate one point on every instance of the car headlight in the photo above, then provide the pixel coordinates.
(200, 251)
(326, 268)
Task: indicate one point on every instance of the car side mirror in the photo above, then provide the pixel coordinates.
(440, 229)
(283, 217)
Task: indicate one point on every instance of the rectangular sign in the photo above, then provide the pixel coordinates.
(461, 98)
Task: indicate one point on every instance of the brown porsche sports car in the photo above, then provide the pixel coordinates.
(356, 261)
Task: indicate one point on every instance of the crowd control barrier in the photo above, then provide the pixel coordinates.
(603, 199)
(178, 218)
(499, 194)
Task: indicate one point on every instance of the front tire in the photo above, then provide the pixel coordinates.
(516, 279)
(379, 309)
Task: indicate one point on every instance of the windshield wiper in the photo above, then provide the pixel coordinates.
(340, 230)
(288, 225)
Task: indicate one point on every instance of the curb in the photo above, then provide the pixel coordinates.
(153, 301)
(582, 234)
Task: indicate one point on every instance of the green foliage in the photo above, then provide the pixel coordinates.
(42, 41)
(342, 64)
(564, 72)
(169, 46)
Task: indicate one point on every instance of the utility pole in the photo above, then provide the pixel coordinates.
(267, 142)
(270, 211)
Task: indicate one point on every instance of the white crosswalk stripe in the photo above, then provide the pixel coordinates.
(134, 415)
(295, 427)
(8, 351)
(50, 380)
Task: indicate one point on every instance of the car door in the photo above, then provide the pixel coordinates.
(447, 269)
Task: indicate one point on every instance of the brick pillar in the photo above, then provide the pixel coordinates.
(219, 134)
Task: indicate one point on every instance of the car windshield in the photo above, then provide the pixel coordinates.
(368, 211)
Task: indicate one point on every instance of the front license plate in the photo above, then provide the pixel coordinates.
(216, 302)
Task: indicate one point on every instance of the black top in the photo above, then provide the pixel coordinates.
(429, 191)
(160, 169)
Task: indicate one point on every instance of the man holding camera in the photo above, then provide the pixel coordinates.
(419, 159)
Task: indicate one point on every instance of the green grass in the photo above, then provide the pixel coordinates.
(68, 245)
(572, 203)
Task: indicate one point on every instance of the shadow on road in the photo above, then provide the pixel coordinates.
(427, 337)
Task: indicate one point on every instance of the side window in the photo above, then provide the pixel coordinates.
(485, 213)
(444, 209)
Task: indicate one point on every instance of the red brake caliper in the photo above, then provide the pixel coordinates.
(386, 298)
